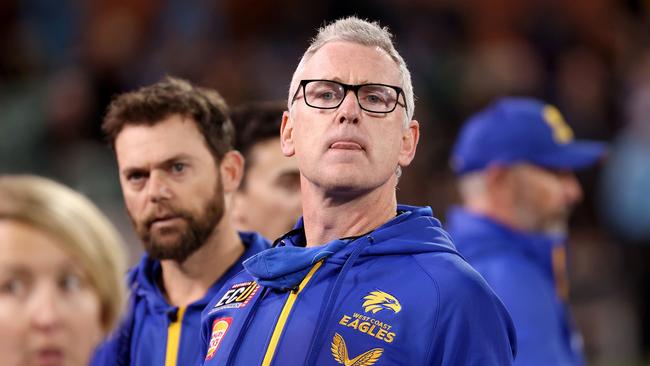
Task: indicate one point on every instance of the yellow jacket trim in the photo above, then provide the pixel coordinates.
(279, 326)
(174, 338)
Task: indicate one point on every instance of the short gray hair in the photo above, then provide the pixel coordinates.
(471, 185)
(363, 32)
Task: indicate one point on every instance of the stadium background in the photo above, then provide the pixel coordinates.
(61, 61)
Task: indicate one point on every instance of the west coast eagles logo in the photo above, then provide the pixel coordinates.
(378, 300)
(340, 353)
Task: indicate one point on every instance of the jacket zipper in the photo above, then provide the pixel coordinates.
(174, 338)
(284, 315)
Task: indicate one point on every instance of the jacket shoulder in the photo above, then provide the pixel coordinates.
(450, 272)
(470, 317)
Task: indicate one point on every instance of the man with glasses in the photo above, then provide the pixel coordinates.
(329, 94)
(360, 280)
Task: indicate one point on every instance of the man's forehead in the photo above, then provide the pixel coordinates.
(141, 145)
(351, 63)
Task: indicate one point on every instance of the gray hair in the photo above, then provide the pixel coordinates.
(363, 32)
(471, 185)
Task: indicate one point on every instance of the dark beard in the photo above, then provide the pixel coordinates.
(198, 229)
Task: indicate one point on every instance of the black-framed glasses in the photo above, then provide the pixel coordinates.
(329, 94)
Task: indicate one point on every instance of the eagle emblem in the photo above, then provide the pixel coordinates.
(378, 300)
(340, 353)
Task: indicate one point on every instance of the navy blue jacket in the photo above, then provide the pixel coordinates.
(151, 325)
(399, 295)
(519, 267)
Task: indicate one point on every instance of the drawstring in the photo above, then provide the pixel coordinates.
(317, 338)
(244, 328)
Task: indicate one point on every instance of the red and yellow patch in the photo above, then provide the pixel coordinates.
(219, 329)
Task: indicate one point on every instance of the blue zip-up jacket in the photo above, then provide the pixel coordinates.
(519, 267)
(399, 295)
(151, 325)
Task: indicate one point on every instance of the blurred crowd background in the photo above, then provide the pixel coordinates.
(61, 62)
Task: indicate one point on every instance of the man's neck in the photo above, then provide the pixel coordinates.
(498, 211)
(328, 217)
(189, 281)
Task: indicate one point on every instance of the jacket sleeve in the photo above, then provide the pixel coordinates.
(473, 327)
(542, 321)
(116, 349)
(205, 334)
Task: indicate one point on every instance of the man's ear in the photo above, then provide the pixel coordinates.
(410, 138)
(286, 135)
(231, 169)
(496, 178)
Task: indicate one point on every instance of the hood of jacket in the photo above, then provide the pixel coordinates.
(146, 295)
(413, 230)
(143, 279)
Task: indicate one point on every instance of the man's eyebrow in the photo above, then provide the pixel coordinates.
(165, 163)
(338, 79)
(130, 170)
(174, 159)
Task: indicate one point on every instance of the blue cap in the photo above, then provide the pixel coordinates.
(513, 130)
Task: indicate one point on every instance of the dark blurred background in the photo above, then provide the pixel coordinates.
(61, 62)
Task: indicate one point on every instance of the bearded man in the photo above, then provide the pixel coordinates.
(174, 147)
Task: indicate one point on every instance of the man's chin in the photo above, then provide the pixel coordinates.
(166, 231)
(160, 242)
(167, 251)
(167, 241)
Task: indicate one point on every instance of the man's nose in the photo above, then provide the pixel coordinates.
(572, 188)
(158, 188)
(349, 111)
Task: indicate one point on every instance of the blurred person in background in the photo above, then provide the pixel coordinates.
(174, 147)
(268, 198)
(626, 177)
(515, 163)
(61, 274)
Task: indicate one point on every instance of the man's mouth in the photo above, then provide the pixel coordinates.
(162, 221)
(346, 145)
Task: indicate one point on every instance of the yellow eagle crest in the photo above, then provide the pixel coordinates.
(340, 353)
(378, 300)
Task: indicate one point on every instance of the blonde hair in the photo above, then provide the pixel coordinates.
(78, 224)
(365, 33)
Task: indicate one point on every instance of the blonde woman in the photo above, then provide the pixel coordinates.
(61, 274)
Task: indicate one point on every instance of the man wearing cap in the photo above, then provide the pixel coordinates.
(515, 161)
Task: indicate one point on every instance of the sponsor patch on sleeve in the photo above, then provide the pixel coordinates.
(238, 296)
(219, 329)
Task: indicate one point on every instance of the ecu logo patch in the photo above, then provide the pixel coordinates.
(340, 353)
(238, 296)
(219, 329)
(377, 301)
